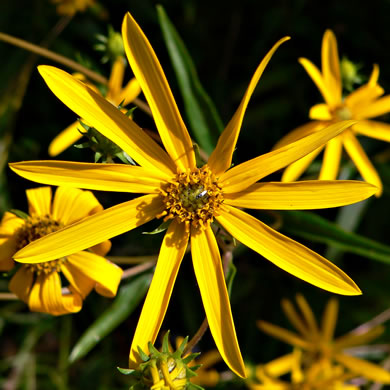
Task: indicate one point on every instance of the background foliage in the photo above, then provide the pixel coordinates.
(226, 41)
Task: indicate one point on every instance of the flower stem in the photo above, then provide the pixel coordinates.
(198, 335)
(8, 296)
(137, 269)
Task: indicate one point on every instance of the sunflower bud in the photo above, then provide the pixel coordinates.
(111, 45)
(163, 370)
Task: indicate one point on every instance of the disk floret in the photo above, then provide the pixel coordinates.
(165, 370)
(36, 227)
(194, 197)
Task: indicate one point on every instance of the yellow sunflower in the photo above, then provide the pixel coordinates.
(39, 283)
(191, 197)
(319, 347)
(363, 104)
(115, 95)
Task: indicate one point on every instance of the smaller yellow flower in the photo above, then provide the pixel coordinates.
(70, 7)
(363, 104)
(319, 348)
(39, 284)
(115, 95)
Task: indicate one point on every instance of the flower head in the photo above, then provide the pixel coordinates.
(190, 197)
(364, 103)
(39, 283)
(70, 7)
(116, 94)
(320, 349)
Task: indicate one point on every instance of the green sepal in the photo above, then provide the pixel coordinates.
(190, 357)
(143, 355)
(165, 343)
(152, 349)
(19, 213)
(125, 371)
(182, 346)
(193, 386)
(161, 228)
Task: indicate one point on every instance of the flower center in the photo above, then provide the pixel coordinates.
(194, 197)
(34, 228)
(342, 113)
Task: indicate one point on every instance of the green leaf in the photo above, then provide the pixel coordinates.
(124, 304)
(315, 228)
(202, 115)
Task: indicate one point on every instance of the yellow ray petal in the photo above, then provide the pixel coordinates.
(10, 223)
(331, 161)
(376, 108)
(34, 300)
(107, 119)
(116, 79)
(171, 254)
(373, 129)
(221, 158)
(78, 280)
(362, 162)
(21, 283)
(103, 177)
(374, 75)
(280, 366)
(320, 112)
(128, 93)
(286, 253)
(39, 201)
(285, 335)
(354, 339)
(302, 195)
(65, 139)
(331, 66)
(211, 281)
(101, 249)
(92, 230)
(242, 176)
(307, 313)
(317, 77)
(294, 318)
(7, 249)
(107, 275)
(298, 133)
(148, 72)
(364, 368)
(295, 170)
(329, 319)
(72, 204)
(362, 96)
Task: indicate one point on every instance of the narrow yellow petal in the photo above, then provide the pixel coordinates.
(78, 280)
(103, 177)
(21, 283)
(376, 108)
(65, 139)
(107, 119)
(155, 87)
(307, 313)
(39, 201)
(72, 204)
(329, 319)
(92, 230)
(364, 368)
(295, 170)
(171, 254)
(362, 162)
(34, 299)
(354, 339)
(280, 366)
(285, 335)
(320, 112)
(361, 97)
(105, 274)
(301, 195)
(298, 133)
(221, 158)
(286, 253)
(331, 161)
(242, 176)
(116, 79)
(373, 129)
(128, 93)
(294, 317)
(374, 75)
(211, 281)
(331, 66)
(318, 79)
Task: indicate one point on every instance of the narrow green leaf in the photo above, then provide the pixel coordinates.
(313, 227)
(202, 115)
(124, 304)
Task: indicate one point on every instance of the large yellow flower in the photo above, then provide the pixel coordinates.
(320, 350)
(363, 104)
(115, 95)
(189, 196)
(39, 283)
